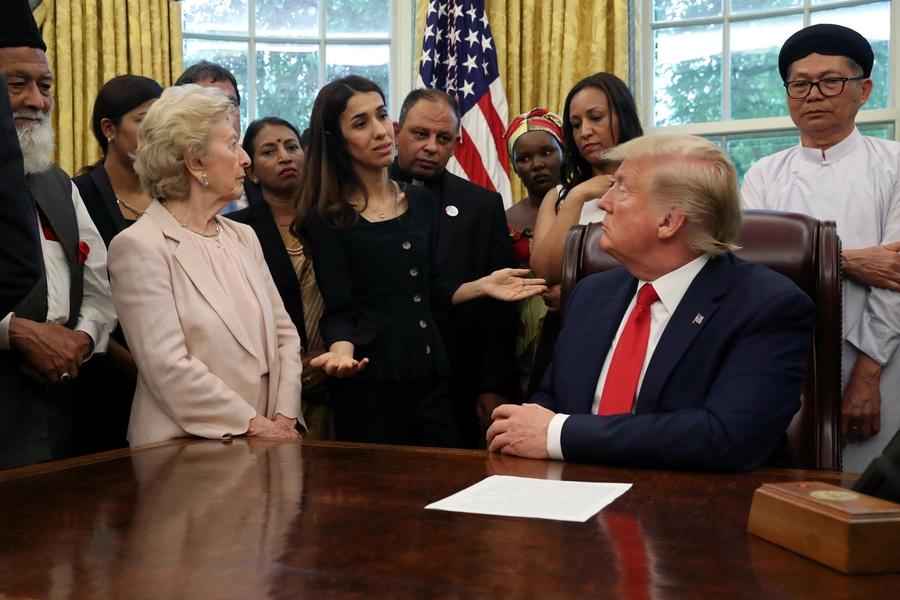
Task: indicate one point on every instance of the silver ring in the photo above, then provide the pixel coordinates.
(307, 380)
(64, 377)
(854, 427)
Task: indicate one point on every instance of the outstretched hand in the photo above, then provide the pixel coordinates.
(339, 365)
(508, 285)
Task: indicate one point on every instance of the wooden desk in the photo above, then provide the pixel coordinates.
(205, 519)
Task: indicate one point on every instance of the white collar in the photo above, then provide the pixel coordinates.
(672, 286)
(836, 152)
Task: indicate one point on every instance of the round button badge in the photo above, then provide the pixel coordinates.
(451, 210)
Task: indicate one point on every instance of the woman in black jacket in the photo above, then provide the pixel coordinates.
(374, 250)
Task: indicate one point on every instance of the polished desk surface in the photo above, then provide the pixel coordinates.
(253, 519)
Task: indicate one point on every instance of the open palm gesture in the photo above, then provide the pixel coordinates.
(508, 285)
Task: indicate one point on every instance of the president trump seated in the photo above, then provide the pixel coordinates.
(686, 358)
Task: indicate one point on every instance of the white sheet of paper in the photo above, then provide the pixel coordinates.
(533, 498)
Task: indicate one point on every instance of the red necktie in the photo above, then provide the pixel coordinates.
(628, 359)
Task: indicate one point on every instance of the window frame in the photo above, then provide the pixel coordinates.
(765, 125)
(400, 38)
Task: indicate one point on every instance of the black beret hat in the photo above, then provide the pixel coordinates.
(18, 28)
(831, 40)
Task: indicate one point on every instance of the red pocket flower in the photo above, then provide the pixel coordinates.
(83, 251)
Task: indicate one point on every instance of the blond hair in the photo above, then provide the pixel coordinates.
(696, 177)
(177, 126)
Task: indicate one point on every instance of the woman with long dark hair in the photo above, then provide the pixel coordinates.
(374, 251)
(112, 193)
(276, 161)
(600, 113)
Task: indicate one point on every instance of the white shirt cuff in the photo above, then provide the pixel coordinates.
(4, 332)
(94, 331)
(554, 437)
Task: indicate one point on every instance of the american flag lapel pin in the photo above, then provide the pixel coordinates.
(698, 319)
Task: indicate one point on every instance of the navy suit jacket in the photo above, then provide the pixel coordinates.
(718, 394)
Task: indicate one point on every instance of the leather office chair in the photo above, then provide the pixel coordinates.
(808, 252)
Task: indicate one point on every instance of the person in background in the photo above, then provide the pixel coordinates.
(276, 161)
(473, 242)
(67, 317)
(374, 243)
(837, 174)
(703, 353)
(112, 193)
(534, 140)
(216, 352)
(599, 114)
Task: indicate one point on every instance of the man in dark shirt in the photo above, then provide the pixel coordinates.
(473, 242)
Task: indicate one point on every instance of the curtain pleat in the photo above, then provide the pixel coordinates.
(91, 41)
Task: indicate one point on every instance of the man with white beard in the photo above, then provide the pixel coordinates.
(69, 314)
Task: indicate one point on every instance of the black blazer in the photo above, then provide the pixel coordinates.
(259, 217)
(382, 291)
(20, 251)
(480, 335)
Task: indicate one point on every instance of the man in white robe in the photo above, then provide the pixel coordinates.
(839, 175)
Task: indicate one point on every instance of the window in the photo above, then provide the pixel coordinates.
(283, 51)
(711, 69)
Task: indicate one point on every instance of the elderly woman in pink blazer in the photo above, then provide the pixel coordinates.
(217, 354)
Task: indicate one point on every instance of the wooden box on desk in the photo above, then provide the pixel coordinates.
(847, 531)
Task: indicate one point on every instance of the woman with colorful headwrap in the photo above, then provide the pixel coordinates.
(534, 140)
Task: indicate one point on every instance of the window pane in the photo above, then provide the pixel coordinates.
(215, 16)
(687, 79)
(739, 7)
(370, 61)
(756, 89)
(872, 21)
(884, 131)
(231, 55)
(358, 18)
(287, 81)
(745, 152)
(677, 10)
(287, 18)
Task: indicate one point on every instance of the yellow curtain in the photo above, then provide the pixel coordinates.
(91, 41)
(544, 47)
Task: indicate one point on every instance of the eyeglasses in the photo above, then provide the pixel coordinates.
(831, 86)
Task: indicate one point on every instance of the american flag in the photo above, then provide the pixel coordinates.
(458, 57)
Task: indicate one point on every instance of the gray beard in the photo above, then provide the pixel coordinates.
(36, 140)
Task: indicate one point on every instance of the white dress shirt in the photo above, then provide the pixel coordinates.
(856, 184)
(670, 288)
(98, 315)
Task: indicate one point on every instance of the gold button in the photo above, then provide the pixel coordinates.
(423, 324)
(427, 349)
(413, 271)
(417, 298)
(407, 245)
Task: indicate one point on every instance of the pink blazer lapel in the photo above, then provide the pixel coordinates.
(200, 275)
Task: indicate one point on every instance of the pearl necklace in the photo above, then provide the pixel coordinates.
(200, 233)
